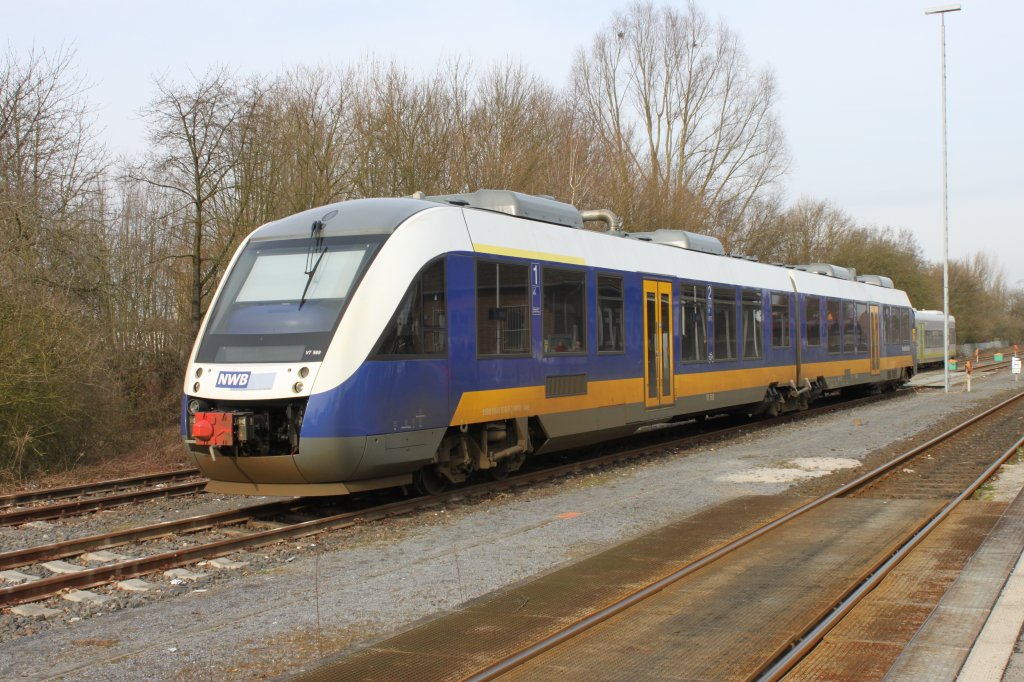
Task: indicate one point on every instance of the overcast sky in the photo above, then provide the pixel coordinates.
(859, 81)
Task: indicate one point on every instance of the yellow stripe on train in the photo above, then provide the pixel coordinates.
(507, 403)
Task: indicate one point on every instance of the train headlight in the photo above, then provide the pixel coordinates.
(304, 372)
(195, 387)
(297, 387)
(199, 372)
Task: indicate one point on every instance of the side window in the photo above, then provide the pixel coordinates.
(904, 325)
(419, 326)
(724, 310)
(780, 320)
(863, 332)
(694, 326)
(850, 331)
(812, 315)
(610, 325)
(751, 314)
(565, 320)
(832, 330)
(502, 309)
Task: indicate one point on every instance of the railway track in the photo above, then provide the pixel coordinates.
(54, 503)
(260, 525)
(620, 632)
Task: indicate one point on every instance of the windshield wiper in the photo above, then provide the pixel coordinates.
(317, 250)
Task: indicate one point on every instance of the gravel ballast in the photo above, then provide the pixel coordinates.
(292, 604)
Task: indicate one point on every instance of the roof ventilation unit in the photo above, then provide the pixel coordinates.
(877, 280)
(544, 209)
(681, 239)
(830, 270)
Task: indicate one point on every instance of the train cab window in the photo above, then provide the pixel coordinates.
(751, 314)
(694, 327)
(833, 331)
(904, 326)
(812, 315)
(419, 326)
(502, 309)
(724, 311)
(850, 330)
(863, 331)
(610, 325)
(565, 319)
(780, 320)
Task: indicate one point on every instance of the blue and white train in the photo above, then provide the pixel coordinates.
(415, 341)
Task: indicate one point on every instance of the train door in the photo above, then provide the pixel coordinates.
(658, 389)
(876, 340)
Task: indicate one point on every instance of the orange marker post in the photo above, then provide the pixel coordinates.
(968, 369)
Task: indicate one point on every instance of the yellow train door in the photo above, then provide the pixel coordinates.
(876, 341)
(658, 335)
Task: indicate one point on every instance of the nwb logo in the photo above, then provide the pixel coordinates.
(233, 379)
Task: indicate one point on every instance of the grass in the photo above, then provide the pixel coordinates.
(157, 450)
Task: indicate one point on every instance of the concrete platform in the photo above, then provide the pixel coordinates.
(972, 632)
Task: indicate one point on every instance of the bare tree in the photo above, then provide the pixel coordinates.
(511, 131)
(50, 164)
(54, 402)
(190, 128)
(681, 114)
(404, 130)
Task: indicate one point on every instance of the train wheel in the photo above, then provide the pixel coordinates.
(500, 471)
(429, 482)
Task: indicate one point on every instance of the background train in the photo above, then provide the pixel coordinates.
(929, 333)
(387, 342)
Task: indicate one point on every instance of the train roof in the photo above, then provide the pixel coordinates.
(344, 218)
(930, 316)
(669, 253)
(506, 222)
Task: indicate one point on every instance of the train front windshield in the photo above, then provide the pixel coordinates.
(282, 301)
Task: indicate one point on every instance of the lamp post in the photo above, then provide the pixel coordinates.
(941, 11)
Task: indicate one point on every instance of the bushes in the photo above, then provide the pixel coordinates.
(57, 402)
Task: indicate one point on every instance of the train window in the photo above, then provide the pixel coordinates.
(905, 326)
(419, 326)
(863, 332)
(565, 321)
(780, 320)
(850, 331)
(933, 338)
(812, 315)
(695, 322)
(833, 332)
(887, 323)
(610, 325)
(751, 315)
(502, 309)
(724, 310)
